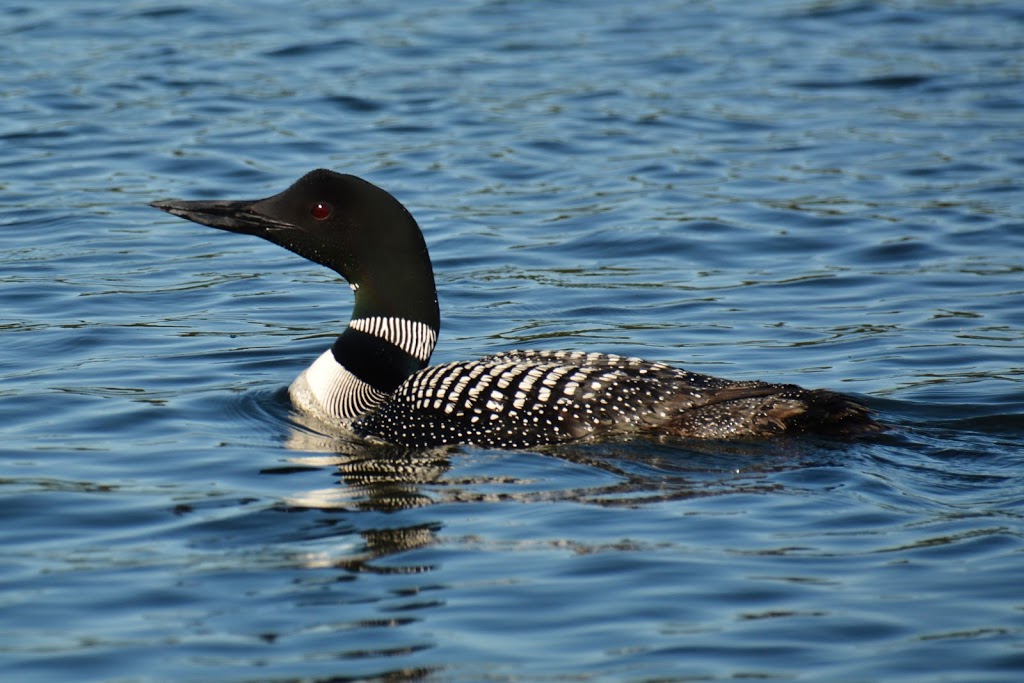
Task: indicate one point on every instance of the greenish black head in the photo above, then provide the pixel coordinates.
(344, 223)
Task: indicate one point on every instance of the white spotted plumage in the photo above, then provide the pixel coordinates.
(528, 398)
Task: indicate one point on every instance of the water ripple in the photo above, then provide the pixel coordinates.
(824, 193)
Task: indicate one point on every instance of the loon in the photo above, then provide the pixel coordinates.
(376, 383)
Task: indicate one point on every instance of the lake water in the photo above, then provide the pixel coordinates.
(822, 192)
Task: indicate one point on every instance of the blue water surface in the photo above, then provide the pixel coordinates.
(824, 192)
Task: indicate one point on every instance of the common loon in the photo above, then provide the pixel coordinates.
(375, 382)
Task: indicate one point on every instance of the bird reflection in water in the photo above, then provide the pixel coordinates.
(403, 483)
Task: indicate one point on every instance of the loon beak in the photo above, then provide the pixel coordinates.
(230, 215)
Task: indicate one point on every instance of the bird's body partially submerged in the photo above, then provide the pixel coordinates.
(375, 380)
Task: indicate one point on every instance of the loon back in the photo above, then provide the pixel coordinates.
(375, 379)
(522, 399)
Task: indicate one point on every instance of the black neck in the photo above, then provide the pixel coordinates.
(395, 282)
(396, 310)
(378, 362)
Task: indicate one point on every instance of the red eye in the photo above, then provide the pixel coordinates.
(321, 211)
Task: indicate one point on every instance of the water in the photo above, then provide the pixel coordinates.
(826, 193)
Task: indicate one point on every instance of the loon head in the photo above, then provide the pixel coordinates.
(353, 227)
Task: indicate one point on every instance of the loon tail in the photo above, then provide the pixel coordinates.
(772, 409)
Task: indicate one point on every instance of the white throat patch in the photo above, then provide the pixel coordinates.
(328, 390)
